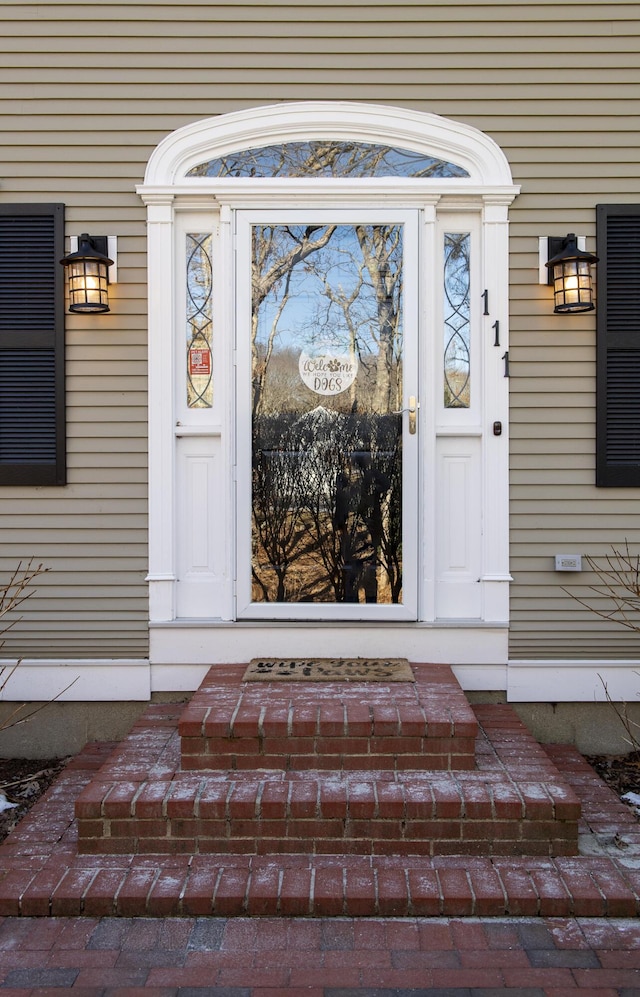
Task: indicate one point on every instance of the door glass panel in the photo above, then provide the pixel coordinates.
(199, 310)
(457, 320)
(327, 373)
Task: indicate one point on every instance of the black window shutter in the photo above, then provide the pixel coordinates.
(32, 401)
(618, 346)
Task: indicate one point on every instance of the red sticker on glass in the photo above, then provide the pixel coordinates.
(199, 361)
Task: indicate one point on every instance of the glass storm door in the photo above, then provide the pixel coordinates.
(327, 414)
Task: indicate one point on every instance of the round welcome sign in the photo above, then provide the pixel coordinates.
(328, 373)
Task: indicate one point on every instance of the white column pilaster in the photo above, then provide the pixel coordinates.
(162, 575)
(495, 485)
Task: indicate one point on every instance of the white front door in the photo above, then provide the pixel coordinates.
(288, 495)
(327, 425)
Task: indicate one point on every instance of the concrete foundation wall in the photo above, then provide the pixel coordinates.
(62, 729)
(594, 728)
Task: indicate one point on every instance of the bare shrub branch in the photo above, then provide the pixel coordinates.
(15, 592)
(621, 710)
(12, 595)
(618, 583)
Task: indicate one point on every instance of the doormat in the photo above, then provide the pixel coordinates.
(329, 670)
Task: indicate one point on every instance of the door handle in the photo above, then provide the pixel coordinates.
(412, 409)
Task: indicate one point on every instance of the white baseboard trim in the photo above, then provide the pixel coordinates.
(563, 681)
(121, 680)
(177, 678)
(83, 680)
(481, 678)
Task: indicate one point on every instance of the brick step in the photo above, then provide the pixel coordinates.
(42, 875)
(515, 803)
(235, 725)
(360, 813)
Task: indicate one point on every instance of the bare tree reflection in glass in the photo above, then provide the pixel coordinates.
(327, 158)
(327, 446)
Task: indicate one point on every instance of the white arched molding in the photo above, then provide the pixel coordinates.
(167, 191)
(426, 133)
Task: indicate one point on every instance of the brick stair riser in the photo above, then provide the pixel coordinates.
(423, 814)
(402, 722)
(321, 836)
(341, 754)
(299, 886)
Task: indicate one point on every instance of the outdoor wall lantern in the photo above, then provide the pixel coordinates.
(569, 270)
(88, 274)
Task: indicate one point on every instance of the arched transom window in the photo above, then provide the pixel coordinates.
(327, 158)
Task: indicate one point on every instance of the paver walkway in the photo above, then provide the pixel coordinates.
(337, 957)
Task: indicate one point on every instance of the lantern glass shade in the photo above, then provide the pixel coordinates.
(571, 277)
(88, 277)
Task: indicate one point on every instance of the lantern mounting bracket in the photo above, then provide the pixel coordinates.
(555, 245)
(105, 244)
(548, 247)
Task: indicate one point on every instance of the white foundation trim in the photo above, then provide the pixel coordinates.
(84, 680)
(122, 680)
(481, 678)
(581, 681)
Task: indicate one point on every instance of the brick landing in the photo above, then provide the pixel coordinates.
(426, 725)
(42, 874)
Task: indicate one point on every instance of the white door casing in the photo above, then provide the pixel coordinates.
(462, 534)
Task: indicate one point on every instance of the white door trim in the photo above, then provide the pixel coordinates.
(167, 192)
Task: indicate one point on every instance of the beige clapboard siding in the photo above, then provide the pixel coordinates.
(555, 507)
(86, 98)
(191, 54)
(92, 534)
(355, 10)
(272, 80)
(219, 53)
(385, 34)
